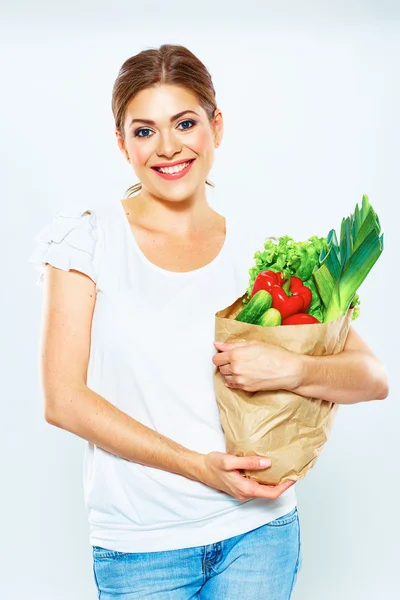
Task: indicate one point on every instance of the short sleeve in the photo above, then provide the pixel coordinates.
(68, 242)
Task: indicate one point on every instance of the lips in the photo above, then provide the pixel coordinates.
(174, 164)
(175, 175)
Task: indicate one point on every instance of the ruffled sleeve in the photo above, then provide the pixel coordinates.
(68, 242)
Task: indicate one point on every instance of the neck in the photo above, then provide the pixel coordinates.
(176, 217)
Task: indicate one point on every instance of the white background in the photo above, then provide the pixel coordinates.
(310, 95)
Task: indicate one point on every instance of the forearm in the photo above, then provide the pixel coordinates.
(88, 415)
(344, 378)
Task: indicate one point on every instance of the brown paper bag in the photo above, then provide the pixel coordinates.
(287, 428)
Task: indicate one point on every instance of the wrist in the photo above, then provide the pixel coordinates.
(194, 466)
(305, 366)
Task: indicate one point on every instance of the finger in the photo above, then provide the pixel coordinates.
(272, 492)
(232, 462)
(226, 369)
(221, 359)
(282, 487)
(230, 345)
(232, 382)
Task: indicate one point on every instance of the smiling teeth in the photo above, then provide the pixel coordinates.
(176, 169)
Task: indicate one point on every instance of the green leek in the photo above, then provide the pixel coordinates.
(344, 265)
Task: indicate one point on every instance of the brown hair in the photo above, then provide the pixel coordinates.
(170, 64)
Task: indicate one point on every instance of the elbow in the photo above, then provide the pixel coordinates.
(60, 403)
(50, 420)
(382, 388)
(377, 377)
(383, 391)
(50, 416)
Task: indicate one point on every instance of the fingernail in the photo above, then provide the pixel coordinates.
(265, 462)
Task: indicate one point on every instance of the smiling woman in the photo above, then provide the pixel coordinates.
(151, 100)
(132, 291)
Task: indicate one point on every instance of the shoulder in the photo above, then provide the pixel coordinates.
(76, 227)
(69, 240)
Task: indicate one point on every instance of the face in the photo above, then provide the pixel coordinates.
(189, 136)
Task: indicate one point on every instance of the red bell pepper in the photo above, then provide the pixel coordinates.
(297, 288)
(300, 319)
(297, 302)
(265, 280)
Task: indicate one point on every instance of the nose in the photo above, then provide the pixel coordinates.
(169, 145)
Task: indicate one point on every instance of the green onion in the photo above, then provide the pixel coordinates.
(345, 265)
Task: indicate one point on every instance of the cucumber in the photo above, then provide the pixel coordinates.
(271, 318)
(255, 308)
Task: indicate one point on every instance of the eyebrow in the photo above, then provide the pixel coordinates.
(173, 118)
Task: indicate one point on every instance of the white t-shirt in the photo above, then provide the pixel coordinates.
(151, 356)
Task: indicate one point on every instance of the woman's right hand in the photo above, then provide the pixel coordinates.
(222, 472)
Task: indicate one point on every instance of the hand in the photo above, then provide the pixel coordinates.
(254, 366)
(221, 471)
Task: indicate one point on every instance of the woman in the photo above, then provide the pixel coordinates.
(127, 362)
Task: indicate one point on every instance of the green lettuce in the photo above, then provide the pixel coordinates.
(291, 258)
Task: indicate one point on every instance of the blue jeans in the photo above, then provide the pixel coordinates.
(262, 563)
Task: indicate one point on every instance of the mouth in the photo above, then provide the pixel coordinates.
(175, 172)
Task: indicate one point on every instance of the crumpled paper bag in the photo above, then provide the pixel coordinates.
(285, 427)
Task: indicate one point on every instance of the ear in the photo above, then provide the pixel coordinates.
(218, 127)
(121, 144)
(120, 141)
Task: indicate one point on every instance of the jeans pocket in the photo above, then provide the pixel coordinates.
(99, 553)
(284, 519)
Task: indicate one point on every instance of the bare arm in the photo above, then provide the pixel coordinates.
(69, 300)
(354, 375)
(90, 416)
(70, 404)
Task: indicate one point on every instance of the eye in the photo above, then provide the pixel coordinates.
(188, 121)
(137, 132)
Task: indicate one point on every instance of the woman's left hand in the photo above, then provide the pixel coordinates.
(255, 366)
